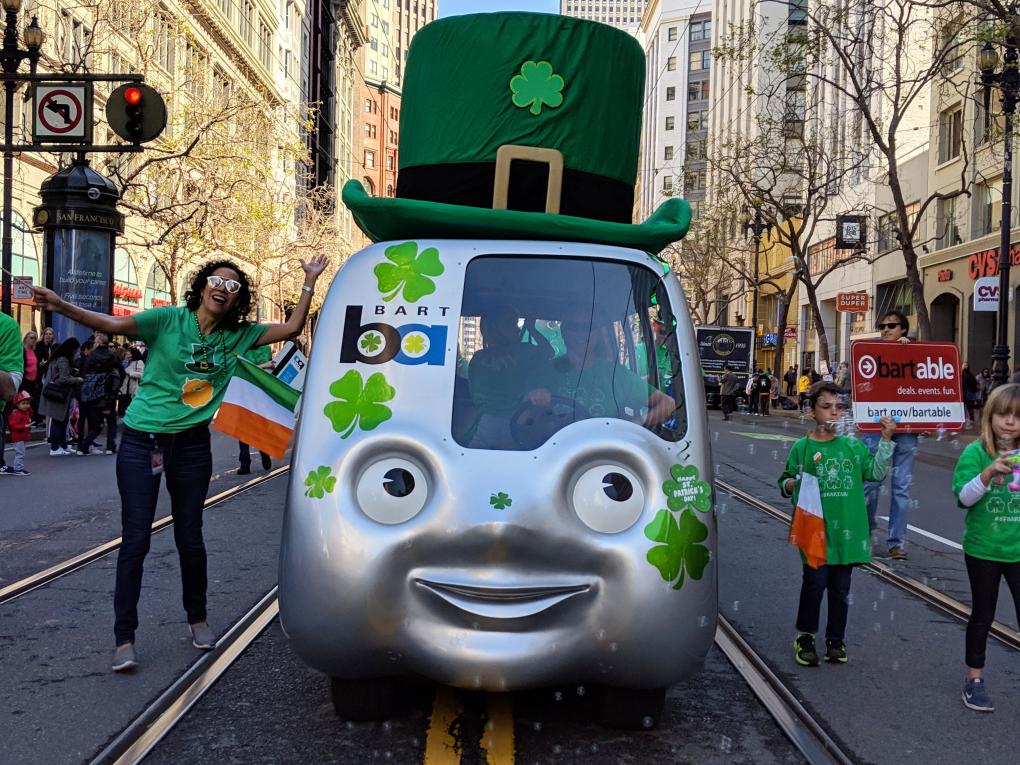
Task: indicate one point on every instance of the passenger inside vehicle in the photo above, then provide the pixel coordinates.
(582, 339)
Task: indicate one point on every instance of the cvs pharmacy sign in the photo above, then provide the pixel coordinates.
(986, 293)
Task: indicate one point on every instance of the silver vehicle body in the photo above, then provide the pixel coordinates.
(516, 595)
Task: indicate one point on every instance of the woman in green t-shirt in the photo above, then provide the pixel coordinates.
(193, 350)
(991, 536)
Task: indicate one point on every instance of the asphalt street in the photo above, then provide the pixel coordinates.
(896, 701)
(750, 452)
(70, 504)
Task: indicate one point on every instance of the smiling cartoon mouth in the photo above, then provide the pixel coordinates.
(502, 602)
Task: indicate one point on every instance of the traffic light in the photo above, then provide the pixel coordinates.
(136, 112)
(133, 110)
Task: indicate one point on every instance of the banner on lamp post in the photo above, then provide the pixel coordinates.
(986, 293)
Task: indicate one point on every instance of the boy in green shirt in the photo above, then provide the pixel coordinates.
(840, 465)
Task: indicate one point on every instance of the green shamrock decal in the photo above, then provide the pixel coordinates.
(371, 342)
(536, 86)
(408, 271)
(686, 490)
(500, 501)
(359, 405)
(681, 552)
(319, 482)
(414, 343)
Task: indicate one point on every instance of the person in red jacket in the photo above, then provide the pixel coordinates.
(20, 423)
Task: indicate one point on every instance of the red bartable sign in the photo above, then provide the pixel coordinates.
(918, 384)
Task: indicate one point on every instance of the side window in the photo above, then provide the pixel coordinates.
(546, 342)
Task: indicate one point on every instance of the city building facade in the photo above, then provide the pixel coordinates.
(216, 63)
(391, 26)
(623, 14)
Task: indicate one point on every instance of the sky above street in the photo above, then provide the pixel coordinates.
(460, 7)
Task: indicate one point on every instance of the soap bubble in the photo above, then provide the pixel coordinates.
(581, 690)
(647, 722)
(558, 696)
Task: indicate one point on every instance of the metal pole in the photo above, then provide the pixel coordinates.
(10, 64)
(8, 241)
(1008, 85)
(754, 307)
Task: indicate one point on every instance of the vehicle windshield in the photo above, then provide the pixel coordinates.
(546, 342)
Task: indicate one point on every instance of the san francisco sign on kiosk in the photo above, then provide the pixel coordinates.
(917, 384)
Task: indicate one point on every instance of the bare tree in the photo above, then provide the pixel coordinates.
(788, 175)
(874, 64)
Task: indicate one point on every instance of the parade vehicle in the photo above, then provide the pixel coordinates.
(501, 472)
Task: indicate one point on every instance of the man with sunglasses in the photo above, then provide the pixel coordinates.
(893, 328)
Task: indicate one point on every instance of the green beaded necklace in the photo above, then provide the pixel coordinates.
(205, 365)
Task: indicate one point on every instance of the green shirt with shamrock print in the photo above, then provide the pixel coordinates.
(992, 526)
(185, 375)
(841, 467)
(604, 389)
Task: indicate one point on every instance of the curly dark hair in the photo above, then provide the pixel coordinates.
(237, 315)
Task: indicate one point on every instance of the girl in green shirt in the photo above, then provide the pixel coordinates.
(991, 536)
(193, 350)
(841, 465)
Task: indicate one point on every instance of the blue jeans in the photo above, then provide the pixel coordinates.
(187, 463)
(902, 472)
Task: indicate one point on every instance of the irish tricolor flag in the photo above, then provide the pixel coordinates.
(258, 409)
(808, 528)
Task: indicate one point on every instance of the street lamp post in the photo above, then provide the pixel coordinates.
(11, 57)
(754, 226)
(1008, 83)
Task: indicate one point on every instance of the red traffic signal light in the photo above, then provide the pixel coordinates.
(136, 112)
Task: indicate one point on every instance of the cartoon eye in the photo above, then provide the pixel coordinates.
(392, 491)
(608, 499)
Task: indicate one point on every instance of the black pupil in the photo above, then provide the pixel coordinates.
(398, 482)
(617, 487)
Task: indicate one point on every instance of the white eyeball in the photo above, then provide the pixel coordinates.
(608, 499)
(392, 491)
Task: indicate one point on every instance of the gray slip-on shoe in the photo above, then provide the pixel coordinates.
(202, 637)
(124, 658)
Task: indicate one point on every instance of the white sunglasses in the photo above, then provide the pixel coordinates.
(229, 285)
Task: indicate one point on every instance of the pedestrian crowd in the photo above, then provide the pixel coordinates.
(73, 391)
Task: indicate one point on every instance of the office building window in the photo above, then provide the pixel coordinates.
(950, 134)
(668, 153)
(671, 34)
(670, 93)
(700, 60)
(671, 64)
(670, 122)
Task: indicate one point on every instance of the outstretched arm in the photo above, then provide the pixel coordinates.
(48, 300)
(291, 328)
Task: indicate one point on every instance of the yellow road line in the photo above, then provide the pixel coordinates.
(498, 737)
(440, 745)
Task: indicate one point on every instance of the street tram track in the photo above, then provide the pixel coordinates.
(159, 718)
(929, 595)
(29, 583)
(789, 714)
(154, 723)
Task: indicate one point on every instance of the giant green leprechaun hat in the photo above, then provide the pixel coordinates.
(519, 126)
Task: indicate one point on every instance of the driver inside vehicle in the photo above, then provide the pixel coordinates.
(590, 378)
(498, 372)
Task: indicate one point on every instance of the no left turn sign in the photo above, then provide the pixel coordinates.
(62, 112)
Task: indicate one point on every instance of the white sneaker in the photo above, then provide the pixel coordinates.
(59, 452)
